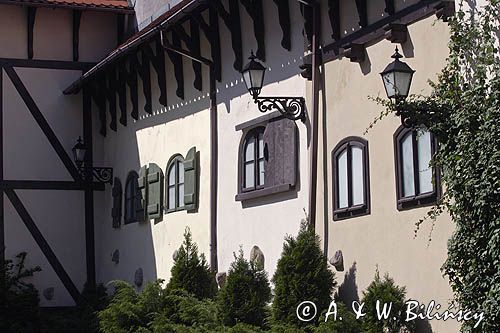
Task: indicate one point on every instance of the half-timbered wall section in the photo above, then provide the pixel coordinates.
(46, 207)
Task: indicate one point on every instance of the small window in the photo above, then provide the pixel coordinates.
(416, 181)
(253, 161)
(350, 179)
(175, 184)
(132, 196)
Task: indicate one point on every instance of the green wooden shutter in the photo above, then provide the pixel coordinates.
(191, 180)
(142, 195)
(116, 211)
(155, 192)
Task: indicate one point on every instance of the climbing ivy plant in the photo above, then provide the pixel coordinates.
(463, 111)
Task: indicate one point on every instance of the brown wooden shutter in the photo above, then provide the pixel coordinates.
(116, 211)
(190, 180)
(142, 195)
(155, 192)
(280, 153)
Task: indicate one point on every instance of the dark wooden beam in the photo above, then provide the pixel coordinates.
(389, 7)
(334, 15)
(96, 91)
(231, 19)
(144, 69)
(42, 122)
(307, 14)
(122, 91)
(158, 62)
(396, 33)
(362, 13)
(2, 216)
(355, 52)
(120, 28)
(110, 85)
(31, 26)
(193, 44)
(176, 60)
(133, 86)
(77, 16)
(256, 12)
(47, 64)
(284, 19)
(43, 244)
(215, 45)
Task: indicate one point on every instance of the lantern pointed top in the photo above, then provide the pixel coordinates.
(396, 54)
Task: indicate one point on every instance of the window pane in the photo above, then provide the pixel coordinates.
(261, 172)
(408, 172)
(181, 195)
(250, 149)
(342, 179)
(171, 175)
(180, 165)
(250, 175)
(261, 145)
(424, 158)
(129, 208)
(171, 197)
(357, 176)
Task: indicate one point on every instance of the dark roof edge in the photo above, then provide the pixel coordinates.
(170, 17)
(86, 7)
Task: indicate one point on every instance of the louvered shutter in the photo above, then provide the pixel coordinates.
(155, 192)
(191, 180)
(141, 195)
(116, 211)
(280, 153)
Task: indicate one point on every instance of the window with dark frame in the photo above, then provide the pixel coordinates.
(253, 161)
(417, 183)
(351, 182)
(132, 195)
(175, 184)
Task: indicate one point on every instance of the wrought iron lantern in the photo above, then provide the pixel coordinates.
(397, 77)
(253, 76)
(98, 174)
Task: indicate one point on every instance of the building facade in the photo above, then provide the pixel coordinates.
(167, 109)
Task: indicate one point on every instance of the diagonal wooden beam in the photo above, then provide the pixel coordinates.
(42, 122)
(43, 244)
(256, 12)
(284, 19)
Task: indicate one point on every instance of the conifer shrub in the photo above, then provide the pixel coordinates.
(348, 323)
(387, 292)
(302, 275)
(245, 295)
(191, 271)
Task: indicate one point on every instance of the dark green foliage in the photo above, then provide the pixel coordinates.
(463, 112)
(302, 275)
(387, 292)
(19, 300)
(348, 324)
(245, 295)
(191, 271)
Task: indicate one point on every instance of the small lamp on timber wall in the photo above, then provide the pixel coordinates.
(290, 107)
(397, 77)
(98, 174)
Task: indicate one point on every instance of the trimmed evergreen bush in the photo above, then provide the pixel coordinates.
(191, 271)
(245, 295)
(302, 275)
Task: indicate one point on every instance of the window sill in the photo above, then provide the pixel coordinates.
(263, 192)
(350, 212)
(423, 200)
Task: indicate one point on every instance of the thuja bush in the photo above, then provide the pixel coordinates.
(302, 275)
(191, 271)
(245, 294)
(19, 299)
(386, 292)
(463, 112)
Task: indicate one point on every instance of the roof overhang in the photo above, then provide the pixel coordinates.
(177, 14)
(67, 5)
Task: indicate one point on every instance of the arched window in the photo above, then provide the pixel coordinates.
(253, 160)
(132, 197)
(351, 194)
(416, 181)
(175, 184)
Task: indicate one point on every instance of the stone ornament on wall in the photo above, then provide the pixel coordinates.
(221, 278)
(337, 261)
(139, 277)
(115, 257)
(257, 257)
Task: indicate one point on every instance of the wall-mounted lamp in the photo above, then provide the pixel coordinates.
(397, 77)
(290, 107)
(98, 174)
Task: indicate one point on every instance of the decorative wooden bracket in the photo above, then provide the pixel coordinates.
(355, 52)
(390, 7)
(445, 10)
(396, 33)
(122, 91)
(284, 19)
(232, 21)
(193, 44)
(256, 12)
(334, 15)
(110, 93)
(362, 13)
(145, 74)
(176, 59)
(77, 16)
(31, 26)
(211, 32)
(307, 14)
(133, 85)
(100, 100)
(158, 61)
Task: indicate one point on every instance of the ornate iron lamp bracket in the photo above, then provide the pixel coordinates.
(291, 107)
(98, 174)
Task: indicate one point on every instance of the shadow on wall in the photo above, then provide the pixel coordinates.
(348, 290)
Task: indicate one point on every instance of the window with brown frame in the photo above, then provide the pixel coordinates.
(133, 198)
(175, 184)
(253, 160)
(417, 183)
(351, 181)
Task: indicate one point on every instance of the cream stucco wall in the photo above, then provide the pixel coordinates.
(385, 238)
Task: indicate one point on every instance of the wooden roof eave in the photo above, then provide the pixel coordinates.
(133, 43)
(95, 8)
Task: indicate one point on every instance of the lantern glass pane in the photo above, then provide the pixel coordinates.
(246, 78)
(257, 77)
(389, 84)
(402, 81)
